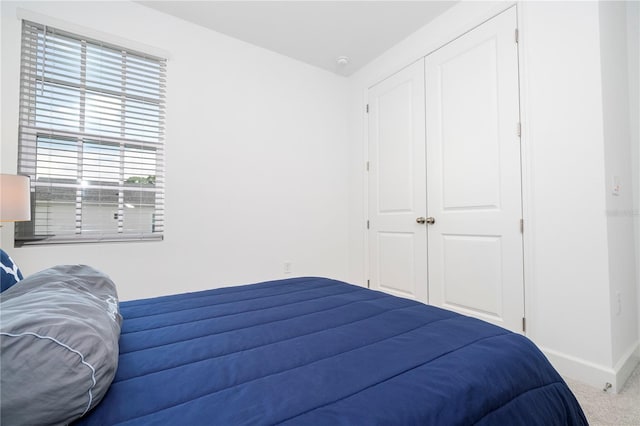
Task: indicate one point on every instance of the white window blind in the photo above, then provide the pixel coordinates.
(91, 136)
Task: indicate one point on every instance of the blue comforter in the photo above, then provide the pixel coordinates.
(316, 351)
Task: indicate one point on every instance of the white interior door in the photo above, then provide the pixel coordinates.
(397, 184)
(473, 174)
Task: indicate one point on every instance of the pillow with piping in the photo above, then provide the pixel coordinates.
(59, 331)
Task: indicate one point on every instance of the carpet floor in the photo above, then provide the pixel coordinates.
(607, 408)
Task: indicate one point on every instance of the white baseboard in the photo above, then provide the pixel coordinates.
(578, 369)
(625, 366)
(592, 374)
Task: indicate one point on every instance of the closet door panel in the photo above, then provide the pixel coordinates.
(397, 184)
(473, 174)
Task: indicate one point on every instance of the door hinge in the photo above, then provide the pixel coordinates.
(367, 224)
(368, 284)
(367, 166)
(519, 129)
(367, 108)
(517, 35)
(522, 226)
(524, 324)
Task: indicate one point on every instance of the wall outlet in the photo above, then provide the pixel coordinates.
(287, 268)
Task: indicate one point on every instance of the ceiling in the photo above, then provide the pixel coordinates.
(315, 32)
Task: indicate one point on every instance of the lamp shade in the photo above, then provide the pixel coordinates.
(15, 198)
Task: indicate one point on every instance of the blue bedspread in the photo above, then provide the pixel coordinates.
(316, 351)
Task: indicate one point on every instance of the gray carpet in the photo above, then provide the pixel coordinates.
(605, 408)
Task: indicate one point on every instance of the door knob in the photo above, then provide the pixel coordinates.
(428, 220)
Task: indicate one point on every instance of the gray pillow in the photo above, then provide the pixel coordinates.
(59, 332)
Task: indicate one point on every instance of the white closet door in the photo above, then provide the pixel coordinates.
(473, 174)
(397, 184)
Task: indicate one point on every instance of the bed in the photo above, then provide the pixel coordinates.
(317, 351)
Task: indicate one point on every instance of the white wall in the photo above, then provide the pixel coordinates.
(567, 273)
(256, 158)
(633, 49)
(569, 284)
(617, 143)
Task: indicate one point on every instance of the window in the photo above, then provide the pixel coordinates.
(91, 136)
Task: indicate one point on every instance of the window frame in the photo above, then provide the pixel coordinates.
(142, 80)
